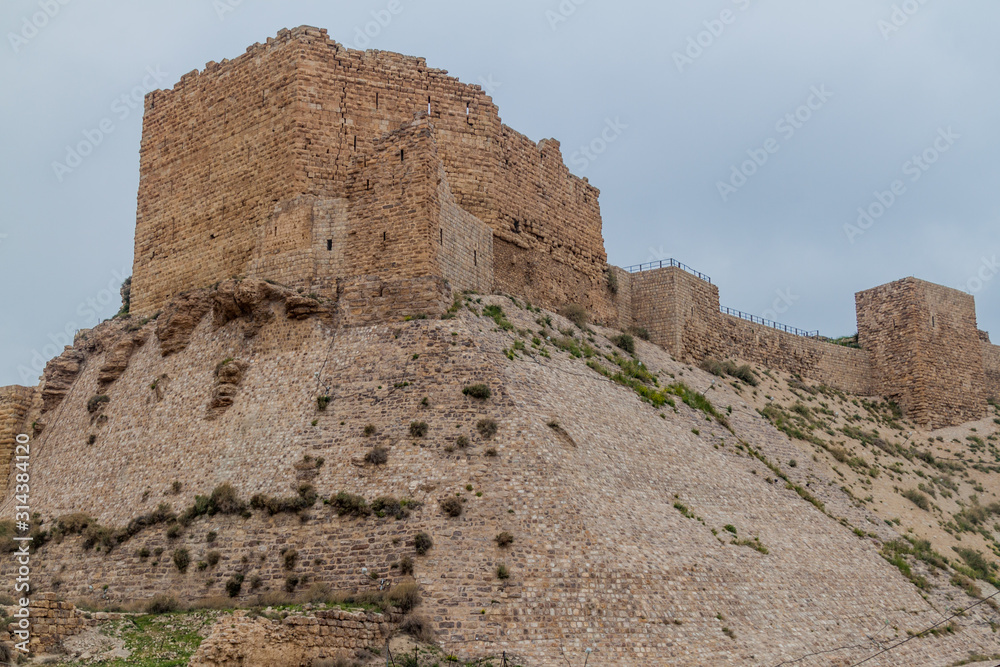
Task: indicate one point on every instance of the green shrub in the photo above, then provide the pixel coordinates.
(462, 442)
(182, 558)
(502, 571)
(612, 279)
(418, 429)
(406, 565)
(386, 506)
(918, 499)
(377, 456)
(289, 559)
(234, 585)
(576, 314)
(162, 604)
(504, 539)
(487, 428)
(322, 402)
(422, 543)
(291, 581)
(496, 312)
(625, 342)
(96, 402)
(210, 537)
(348, 504)
(212, 558)
(306, 498)
(480, 391)
(451, 506)
(639, 332)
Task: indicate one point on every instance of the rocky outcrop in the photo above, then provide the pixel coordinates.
(175, 326)
(118, 357)
(228, 376)
(59, 376)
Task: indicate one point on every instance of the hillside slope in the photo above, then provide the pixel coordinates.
(652, 534)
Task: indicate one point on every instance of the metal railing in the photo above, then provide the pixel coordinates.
(665, 263)
(768, 323)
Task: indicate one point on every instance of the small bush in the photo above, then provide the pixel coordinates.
(406, 596)
(182, 558)
(418, 429)
(502, 571)
(480, 391)
(625, 342)
(487, 428)
(176, 487)
(504, 539)
(322, 402)
(291, 581)
(639, 332)
(174, 531)
(492, 453)
(918, 499)
(377, 456)
(212, 558)
(96, 402)
(418, 628)
(462, 442)
(349, 504)
(234, 585)
(289, 559)
(162, 604)
(422, 543)
(612, 278)
(730, 528)
(451, 506)
(406, 565)
(306, 498)
(211, 536)
(576, 314)
(369, 430)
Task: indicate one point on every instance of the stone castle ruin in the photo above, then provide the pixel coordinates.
(373, 179)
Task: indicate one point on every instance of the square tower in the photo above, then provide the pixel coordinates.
(925, 350)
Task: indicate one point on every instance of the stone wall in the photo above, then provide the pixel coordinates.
(15, 402)
(52, 619)
(681, 313)
(238, 163)
(991, 364)
(925, 350)
(299, 639)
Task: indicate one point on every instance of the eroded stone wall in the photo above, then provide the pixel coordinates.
(15, 402)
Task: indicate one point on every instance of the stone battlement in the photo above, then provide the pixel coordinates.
(385, 185)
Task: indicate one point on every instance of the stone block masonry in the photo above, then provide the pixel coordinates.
(386, 186)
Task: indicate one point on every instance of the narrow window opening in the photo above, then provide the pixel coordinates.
(466, 108)
(517, 226)
(933, 322)
(368, 184)
(428, 105)
(376, 100)
(355, 142)
(275, 231)
(383, 237)
(329, 244)
(475, 259)
(402, 154)
(441, 241)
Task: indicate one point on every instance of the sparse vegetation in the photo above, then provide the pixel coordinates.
(625, 342)
(96, 402)
(487, 428)
(480, 391)
(451, 506)
(422, 543)
(181, 558)
(349, 504)
(918, 499)
(576, 314)
(504, 539)
(418, 429)
(377, 456)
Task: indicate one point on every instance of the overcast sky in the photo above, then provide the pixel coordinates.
(745, 136)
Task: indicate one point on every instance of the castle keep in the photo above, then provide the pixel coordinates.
(386, 185)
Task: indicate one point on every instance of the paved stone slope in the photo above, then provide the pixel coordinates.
(618, 509)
